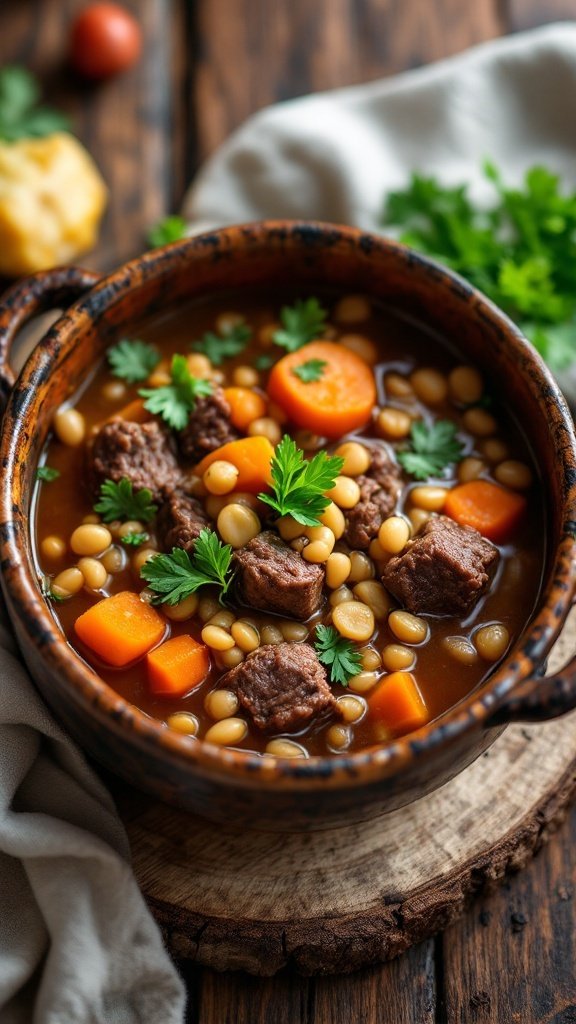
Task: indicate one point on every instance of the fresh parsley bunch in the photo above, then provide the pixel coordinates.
(299, 485)
(520, 251)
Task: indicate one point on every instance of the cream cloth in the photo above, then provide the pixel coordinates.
(77, 945)
(334, 156)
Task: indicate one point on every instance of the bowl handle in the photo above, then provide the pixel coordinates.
(49, 289)
(539, 699)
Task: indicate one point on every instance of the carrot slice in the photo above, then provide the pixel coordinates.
(134, 412)
(245, 405)
(251, 456)
(397, 705)
(177, 666)
(342, 398)
(492, 510)
(120, 628)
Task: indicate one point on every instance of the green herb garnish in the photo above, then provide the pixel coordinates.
(132, 360)
(20, 115)
(135, 539)
(301, 323)
(175, 401)
(120, 501)
(520, 251)
(432, 449)
(299, 484)
(46, 589)
(264, 362)
(338, 654)
(218, 347)
(169, 229)
(174, 577)
(47, 474)
(310, 371)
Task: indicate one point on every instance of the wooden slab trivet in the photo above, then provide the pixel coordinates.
(340, 900)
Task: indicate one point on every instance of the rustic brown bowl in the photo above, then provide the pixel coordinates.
(223, 784)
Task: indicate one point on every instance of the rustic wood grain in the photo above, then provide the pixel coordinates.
(255, 52)
(127, 123)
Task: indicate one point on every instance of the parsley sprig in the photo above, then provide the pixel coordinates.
(520, 251)
(135, 540)
(47, 473)
(432, 449)
(132, 360)
(169, 229)
(299, 484)
(121, 501)
(218, 347)
(174, 577)
(20, 115)
(338, 654)
(301, 323)
(175, 401)
(310, 371)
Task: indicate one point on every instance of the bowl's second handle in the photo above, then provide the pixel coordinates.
(49, 289)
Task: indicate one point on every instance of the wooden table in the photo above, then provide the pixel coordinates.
(207, 65)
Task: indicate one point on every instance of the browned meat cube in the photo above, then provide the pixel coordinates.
(141, 452)
(281, 686)
(180, 521)
(209, 427)
(271, 576)
(379, 489)
(444, 570)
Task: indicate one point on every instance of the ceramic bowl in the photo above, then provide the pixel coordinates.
(225, 785)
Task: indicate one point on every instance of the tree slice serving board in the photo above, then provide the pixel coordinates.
(344, 899)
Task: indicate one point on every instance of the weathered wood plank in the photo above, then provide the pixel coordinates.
(237, 999)
(255, 52)
(512, 958)
(127, 123)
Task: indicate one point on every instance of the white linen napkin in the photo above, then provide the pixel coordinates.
(77, 944)
(334, 156)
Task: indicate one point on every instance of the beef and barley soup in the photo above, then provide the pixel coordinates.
(294, 525)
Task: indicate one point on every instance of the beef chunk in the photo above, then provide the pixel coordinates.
(379, 489)
(444, 570)
(141, 452)
(281, 686)
(209, 427)
(272, 576)
(180, 520)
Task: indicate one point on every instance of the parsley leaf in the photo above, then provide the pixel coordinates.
(132, 360)
(310, 371)
(169, 229)
(174, 577)
(338, 654)
(174, 402)
(433, 448)
(218, 347)
(299, 484)
(20, 116)
(520, 250)
(46, 590)
(119, 501)
(135, 539)
(264, 362)
(301, 323)
(47, 473)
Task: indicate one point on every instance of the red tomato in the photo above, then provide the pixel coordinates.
(105, 39)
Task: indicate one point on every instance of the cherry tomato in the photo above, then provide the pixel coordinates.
(105, 39)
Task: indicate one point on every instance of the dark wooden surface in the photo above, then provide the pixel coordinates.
(207, 65)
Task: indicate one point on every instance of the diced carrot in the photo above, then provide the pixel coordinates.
(493, 510)
(120, 628)
(134, 412)
(177, 666)
(397, 704)
(341, 399)
(246, 405)
(251, 456)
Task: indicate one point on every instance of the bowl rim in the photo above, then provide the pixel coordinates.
(33, 614)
